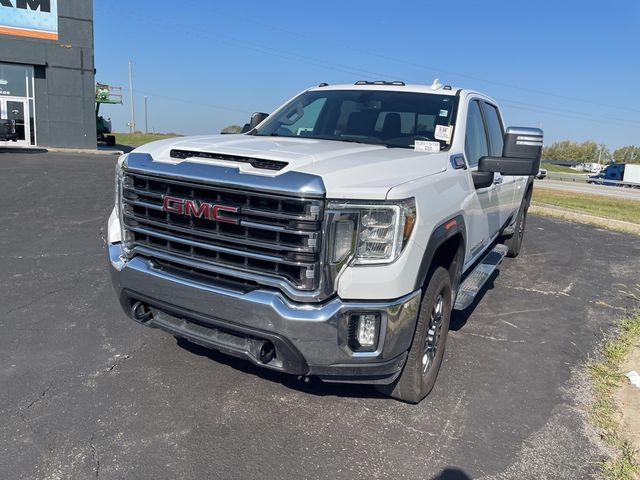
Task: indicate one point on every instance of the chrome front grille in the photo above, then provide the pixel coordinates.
(270, 239)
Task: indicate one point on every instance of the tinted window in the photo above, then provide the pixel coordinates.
(476, 138)
(496, 134)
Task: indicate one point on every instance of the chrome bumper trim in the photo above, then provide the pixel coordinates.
(318, 331)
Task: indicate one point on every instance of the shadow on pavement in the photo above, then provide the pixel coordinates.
(451, 474)
(115, 148)
(309, 385)
(124, 148)
(459, 318)
(22, 150)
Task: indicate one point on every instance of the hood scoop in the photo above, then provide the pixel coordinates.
(254, 162)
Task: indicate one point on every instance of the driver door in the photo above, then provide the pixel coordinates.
(483, 204)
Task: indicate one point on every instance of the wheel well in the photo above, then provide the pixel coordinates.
(450, 255)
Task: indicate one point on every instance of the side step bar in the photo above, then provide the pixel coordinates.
(478, 277)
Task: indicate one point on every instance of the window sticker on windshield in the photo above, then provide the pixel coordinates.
(444, 113)
(425, 146)
(443, 132)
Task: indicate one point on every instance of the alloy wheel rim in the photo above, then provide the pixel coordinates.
(433, 334)
(521, 226)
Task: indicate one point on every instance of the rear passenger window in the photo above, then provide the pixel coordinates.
(476, 137)
(496, 133)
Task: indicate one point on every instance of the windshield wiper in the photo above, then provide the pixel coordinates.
(395, 145)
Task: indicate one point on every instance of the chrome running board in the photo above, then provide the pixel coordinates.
(474, 282)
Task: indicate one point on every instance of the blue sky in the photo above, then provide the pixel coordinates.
(570, 67)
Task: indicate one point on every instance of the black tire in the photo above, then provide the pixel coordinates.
(111, 140)
(514, 242)
(421, 369)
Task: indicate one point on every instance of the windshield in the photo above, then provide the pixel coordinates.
(393, 119)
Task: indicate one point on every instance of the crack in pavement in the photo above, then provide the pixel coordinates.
(42, 297)
(122, 358)
(41, 397)
(95, 458)
(38, 399)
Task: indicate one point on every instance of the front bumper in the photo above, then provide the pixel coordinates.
(307, 339)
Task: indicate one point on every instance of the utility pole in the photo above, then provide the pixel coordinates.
(146, 117)
(132, 124)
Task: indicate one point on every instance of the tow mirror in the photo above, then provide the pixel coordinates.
(256, 119)
(520, 156)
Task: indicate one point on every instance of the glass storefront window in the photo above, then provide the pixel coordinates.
(17, 100)
(14, 79)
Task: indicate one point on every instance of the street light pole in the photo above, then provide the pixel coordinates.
(132, 124)
(146, 117)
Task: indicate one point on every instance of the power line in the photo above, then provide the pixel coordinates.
(432, 68)
(235, 43)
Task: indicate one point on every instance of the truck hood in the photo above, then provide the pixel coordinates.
(349, 170)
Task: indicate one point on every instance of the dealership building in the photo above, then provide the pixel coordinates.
(47, 75)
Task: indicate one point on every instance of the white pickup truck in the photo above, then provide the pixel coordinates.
(334, 237)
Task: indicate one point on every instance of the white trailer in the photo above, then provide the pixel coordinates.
(631, 173)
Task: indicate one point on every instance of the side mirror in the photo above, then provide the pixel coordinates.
(256, 119)
(521, 153)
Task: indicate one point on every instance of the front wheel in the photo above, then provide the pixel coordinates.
(427, 348)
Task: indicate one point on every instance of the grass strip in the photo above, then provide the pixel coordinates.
(607, 377)
(137, 139)
(592, 204)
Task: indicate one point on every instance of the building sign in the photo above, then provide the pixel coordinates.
(29, 18)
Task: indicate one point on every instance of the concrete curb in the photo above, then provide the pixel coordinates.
(82, 151)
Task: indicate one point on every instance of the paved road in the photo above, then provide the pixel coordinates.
(87, 393)
(576, 187)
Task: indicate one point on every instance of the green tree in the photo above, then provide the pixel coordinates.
(232, 129)
(581, 152)
(628, 154)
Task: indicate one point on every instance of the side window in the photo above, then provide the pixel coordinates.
(476, 137)
(496, 133)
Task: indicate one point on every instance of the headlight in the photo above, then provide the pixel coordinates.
(370, 232)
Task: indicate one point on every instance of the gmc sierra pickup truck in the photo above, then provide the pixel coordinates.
(334, 237)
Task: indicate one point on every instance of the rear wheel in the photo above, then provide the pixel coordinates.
(427, 348)
(514, 242)
(111, 140)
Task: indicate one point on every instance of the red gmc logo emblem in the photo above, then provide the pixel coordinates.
(191, 208)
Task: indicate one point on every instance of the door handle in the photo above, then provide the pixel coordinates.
(497, 180)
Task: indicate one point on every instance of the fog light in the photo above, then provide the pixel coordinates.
(365, 328)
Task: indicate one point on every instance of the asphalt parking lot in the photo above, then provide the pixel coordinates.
(87, 393)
